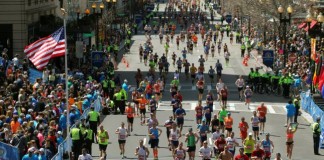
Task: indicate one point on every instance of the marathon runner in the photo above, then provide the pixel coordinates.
(267, 146)
(180, 152)
(225, 155)
(243, 126)
(240, 85)
(231, 143)
(180, 113)
(130, 117)
(192, 139)
(262, 112)
(122, 135)
(168, 124)
(219, 145)
(174, 137)
(221, 115)
(241, 156)
(205, 151)
(199, 113)
(255, 125)
(203, 130)
(249, 145)
(141, 151)
(154, 135)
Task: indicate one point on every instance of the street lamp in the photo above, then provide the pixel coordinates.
(284, 21)
(97, 15)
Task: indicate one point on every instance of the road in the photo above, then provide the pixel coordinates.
(276, 111)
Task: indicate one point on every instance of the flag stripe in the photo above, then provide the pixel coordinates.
(44, 49)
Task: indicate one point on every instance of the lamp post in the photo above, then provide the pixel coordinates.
(309, 18)
(283, 24)
(97, 16)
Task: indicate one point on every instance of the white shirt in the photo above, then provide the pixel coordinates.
(122, 133)
(15, 61)
(216, 135)
(206, 152)
(239, 82)
(85, 157)
(231, 143)
(219, 86)
(174, 135)
(141, 153)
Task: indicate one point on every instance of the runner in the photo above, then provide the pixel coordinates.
(240, 85)
(174, 139)
(262, 112)
(180, 113)
(210, 100)
(175, 105)
(211, 73)
(157, 90)
(220, 85)
(258, 153)
(192, 139)
(151, 121)
(103, 138)
(228, 122)
(226, 155)
(221, 115)
(205, 151)
(142, 105)
(267, 146)
(255, 125)
(141, 151)
(207, 114)
(200, 86)
(154, 135)
(219, 69)
(231, 143)
(224, 95)
(199, 112)
(180, 152)
(214, 123)
(130, 117)
(203, 130)
(241, 156)
(135, 96)
(168, 124)
(243, 126)
(122, 135)
(249, 145)
(193, 71)
(290, 139)
(248, 94)
(153, 105)
(219, 145)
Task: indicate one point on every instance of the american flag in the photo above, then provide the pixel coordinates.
(44, 49)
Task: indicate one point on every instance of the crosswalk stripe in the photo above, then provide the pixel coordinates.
(210, 142)
(231, 106)
(252, 108)
(193, 106)
(179, 87)
(144, 141)
(270, 108)
(193, 88)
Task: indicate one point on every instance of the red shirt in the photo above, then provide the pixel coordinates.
(258, 153)
(220, 144)
(198, 111)
(262, 111)
(243, 127)
(224, 92)
(241, 157)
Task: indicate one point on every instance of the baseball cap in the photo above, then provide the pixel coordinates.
(59, 132)
(41, 150)
(250, 134)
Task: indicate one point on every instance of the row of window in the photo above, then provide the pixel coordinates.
(36, 2)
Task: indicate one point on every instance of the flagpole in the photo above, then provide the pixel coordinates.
(66, 81)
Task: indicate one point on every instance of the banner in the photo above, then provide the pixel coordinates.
(97, 59)
(268, 57)
(8, 152)
(33, 75)
(313, 49)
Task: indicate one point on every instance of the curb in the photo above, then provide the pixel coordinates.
(307, 117)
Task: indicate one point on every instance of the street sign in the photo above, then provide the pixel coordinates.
(268, 57)
(292, 57)
(228, 18)
(97, 58)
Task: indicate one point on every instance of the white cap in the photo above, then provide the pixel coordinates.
(31, 149)
(125, 81)
(41, 150)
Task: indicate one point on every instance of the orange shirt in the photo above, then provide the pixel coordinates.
(14, 126)
(228, 121)
(262, 111)
(129, 112)
(142, 102)
(243, 127)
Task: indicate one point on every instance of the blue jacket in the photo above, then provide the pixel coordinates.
(62, 122)
(290, 108)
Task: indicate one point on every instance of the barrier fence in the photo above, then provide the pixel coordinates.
(310, 107)
(67, 143)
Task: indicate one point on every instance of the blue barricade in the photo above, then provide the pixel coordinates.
(310, 107)
(8, 152)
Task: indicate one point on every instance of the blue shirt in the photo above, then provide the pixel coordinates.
(180, 111)
(59, 140)
(72, 118)
(155, 132)
(125, 87)
(42, 157)
(85, 104)
(26, 157)
(290, 108)
(62, 122)
(202, 128)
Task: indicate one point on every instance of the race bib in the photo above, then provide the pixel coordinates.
(122, 137)
(203, 134)
(173, 137)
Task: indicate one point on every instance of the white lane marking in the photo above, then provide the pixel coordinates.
(144, 141)
(270, 109)
(214, 107)
(179, 87)
(193, 88)
(209, 87)
(193, 106)
(210, 142)
(252, 108)
(284, 108)
(231, 107)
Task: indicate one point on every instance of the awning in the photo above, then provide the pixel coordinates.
(302, 25)
(312, 24)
